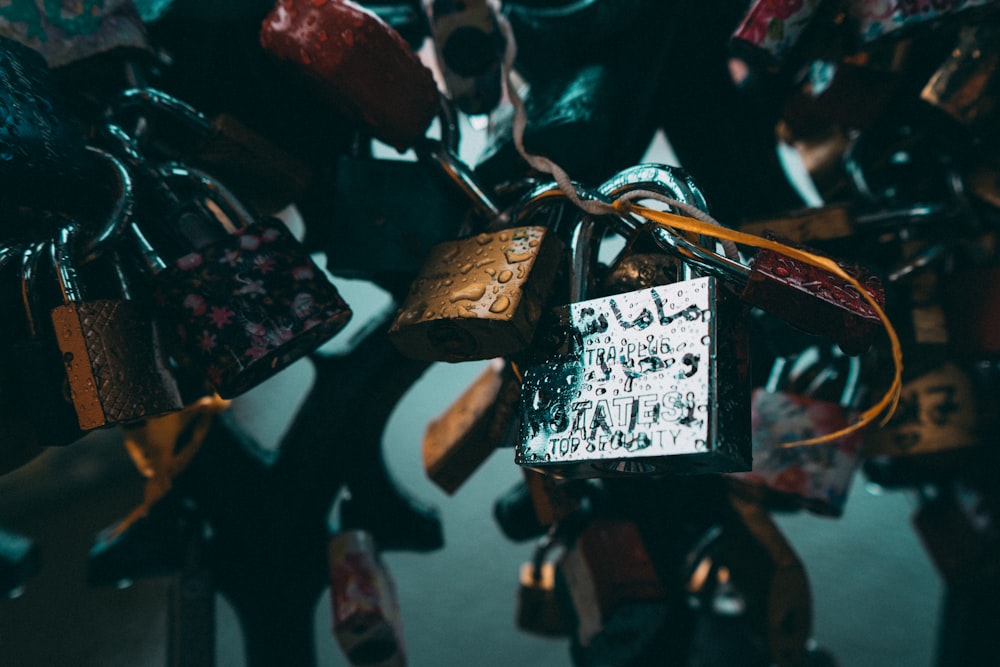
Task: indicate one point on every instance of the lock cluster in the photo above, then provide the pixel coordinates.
(672, 353)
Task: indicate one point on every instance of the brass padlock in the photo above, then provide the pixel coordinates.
(938, 411)
(114, 365)
(479, 297)
(542, 608)
(459, 440)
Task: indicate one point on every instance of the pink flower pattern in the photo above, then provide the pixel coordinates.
(238, 326)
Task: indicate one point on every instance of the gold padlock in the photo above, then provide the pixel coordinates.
(478, 298)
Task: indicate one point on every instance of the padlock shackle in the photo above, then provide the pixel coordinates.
(438, 155)
(61, 253)
(30, 257)
(147, 99)
(120, 217)
(662, 178)
(237, 217)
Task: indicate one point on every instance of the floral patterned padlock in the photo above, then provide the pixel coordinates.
(244, 304)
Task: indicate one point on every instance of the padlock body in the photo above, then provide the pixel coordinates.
(815, 300)
(388, 215)
(248, 305)
(606, 567)
(478, 298)
(359, 64)
(459, 440)
(817, 476)
(114, 366)
(541, 608)
(366, 618)
(937, 411)
(659, 383)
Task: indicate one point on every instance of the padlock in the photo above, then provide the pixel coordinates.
(263, 174)
(110, 346)
(42, 139)
(574, 107)
(768, 34)
(242, 296)
(773, 581)
(67, 32)
(357, 63)
(607, 566)
(646, 382)
(957, 525)
(366, 617)
(469, 49)
(816, 477)
(835, 222)
(539, 502)
(482, 296)
(20, 559)
(35, 357)
(723, 634)
(876, 21)
(388, 214)
(938, 411)
(542, 606)
(460, 439)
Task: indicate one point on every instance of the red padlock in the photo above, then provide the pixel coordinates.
(358, 63)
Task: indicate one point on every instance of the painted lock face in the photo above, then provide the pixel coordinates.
(657, 383)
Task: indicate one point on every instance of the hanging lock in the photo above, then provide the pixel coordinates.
(938, 411)
(480, 297)
(469, 49)
(41, 137)
(966, 84)
(242, 296)
(459, 440)
(388, 214)
(540, 501)
(837, 221)
(607, 570)
(648, 382)
(357, 63)
(114, 364)
(366, 618)
(816, 477)
(261, 173)
(542, 606)
(773, 580)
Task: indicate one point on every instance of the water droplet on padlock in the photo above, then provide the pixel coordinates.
(471, 292)
(484, 238)
(782, 272)
(514, 257)
(501, 304)
(706, 340)
(504, 236)
(465, 268)
(348, 37)
(322, 36)
(505, 276)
